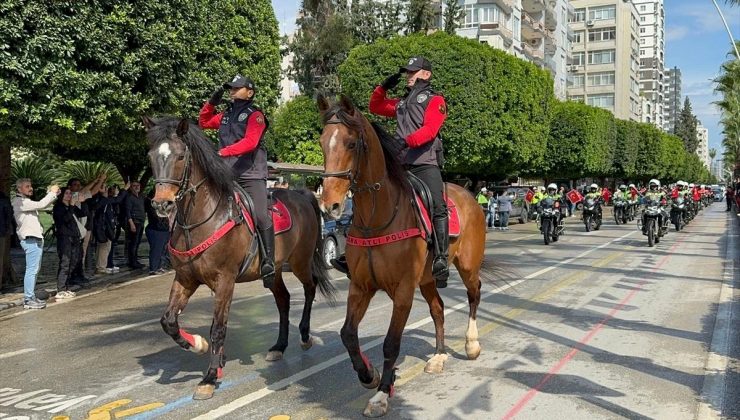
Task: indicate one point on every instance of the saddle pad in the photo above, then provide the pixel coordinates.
(281, 219)
(454, 217)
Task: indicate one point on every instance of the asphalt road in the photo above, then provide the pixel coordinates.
(595, 326)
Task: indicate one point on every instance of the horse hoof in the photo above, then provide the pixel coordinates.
(375, 382)
(436, 364)
(199, 345)
(472, 349)
(308, 344)
(273, 356)
(204, 392)
(377, 406)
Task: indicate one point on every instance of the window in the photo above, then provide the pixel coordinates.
(517, 28)
(579, 58)
(603, 101)
(642, 18)
(643, 8)
(601, 57)
(577, 37)
(642, 41)
(642, 52)
(471, 16)
(489, 14)
(576, 80)
(576, 98)
(603, 12)
(601, 79)
(642, 30)
(602, 34)
(579, 15)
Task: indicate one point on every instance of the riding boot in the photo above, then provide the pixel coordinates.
(440, 270)
(267, 265)
(340, 264)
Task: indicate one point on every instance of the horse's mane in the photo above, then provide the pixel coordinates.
(218, 174)
(389, 144)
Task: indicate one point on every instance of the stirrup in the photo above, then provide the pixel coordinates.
(440, 272)
(267, 273)
(340, 264)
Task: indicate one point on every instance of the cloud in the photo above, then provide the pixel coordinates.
(675, 33)
(701, 88)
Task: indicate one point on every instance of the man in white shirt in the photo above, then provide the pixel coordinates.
(31, 235)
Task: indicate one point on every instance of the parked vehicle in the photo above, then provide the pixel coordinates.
(334, 234)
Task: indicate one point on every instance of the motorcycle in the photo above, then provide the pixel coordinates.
(592, 214)
(678, 210)
(549, 220)
(649, 222)
(621, 211)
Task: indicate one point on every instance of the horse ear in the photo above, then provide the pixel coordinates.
(322, 103)
(183, 127)
(347, 105)
(148, 122)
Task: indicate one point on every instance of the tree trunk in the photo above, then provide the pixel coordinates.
(6, 270)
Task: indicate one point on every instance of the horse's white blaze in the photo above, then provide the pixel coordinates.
(333, 140)
(164, 150)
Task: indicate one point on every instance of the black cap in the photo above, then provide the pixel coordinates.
(416, 63)
(239, 81)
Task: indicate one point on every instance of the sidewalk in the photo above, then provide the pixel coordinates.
(46, 279)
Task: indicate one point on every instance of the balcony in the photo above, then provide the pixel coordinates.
(551, 46)
(488, 29)
(506, 6)
(551, 16)
(533, 54)
(534, 6)
(531, 29)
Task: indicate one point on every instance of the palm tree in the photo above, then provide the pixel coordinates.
(728, 85)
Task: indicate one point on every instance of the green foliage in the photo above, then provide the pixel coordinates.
(686, 127)
(627, 150)
(420, 16)
(582, 140)
(649, 164)
(87, 172)
(295, 132)
(38, 170)
(499, 106)
(371, 20)
(453, 14)
(77, 76)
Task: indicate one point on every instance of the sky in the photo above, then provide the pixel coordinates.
(696, 42)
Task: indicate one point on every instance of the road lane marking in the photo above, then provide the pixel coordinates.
(16, 353)
(298, 376)
(524, 400)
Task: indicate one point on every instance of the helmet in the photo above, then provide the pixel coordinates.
(691, 185)
(552, 186)
(654, 183)
(541, 188)
(622, 187)
(483, 190)
(594, 187)
(632, 186)
(702, 186)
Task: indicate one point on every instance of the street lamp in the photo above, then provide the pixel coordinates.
(729, 33)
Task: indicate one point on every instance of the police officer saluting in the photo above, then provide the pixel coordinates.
(420, 114)
(241, 128)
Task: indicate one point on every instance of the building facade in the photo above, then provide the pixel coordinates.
(651, 22)
(702, 148)
(673, 99)
(604, 69)
(533, 30)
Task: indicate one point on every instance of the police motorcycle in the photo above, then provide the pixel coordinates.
(592, 214)
(678, 210)
(549, 218)
(650, 221)
(621, 210)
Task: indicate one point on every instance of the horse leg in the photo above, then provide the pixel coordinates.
(357, 303)
(378, 404)
(309, 292)
(471, 279)
(282, 300)
(436, 308)
(180, 293)
(223, 295)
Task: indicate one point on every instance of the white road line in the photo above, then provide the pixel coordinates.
(129, 326)
(16, 353)
(290, 380)
(714, 391)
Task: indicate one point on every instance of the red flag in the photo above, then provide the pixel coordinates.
(574, 196)
(674, 193)
(530, 195)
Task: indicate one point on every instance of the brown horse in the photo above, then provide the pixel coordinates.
(194, 187)
(359, 157)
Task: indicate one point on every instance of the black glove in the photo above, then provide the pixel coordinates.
(216, 96)
(391, 81)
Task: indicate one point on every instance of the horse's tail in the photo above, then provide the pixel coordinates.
(318, 269)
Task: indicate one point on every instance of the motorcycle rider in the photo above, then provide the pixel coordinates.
(654, 193)
(552, 193)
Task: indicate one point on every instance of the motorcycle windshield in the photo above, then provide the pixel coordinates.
(548, 203)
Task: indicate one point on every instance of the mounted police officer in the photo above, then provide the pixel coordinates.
(241, 128)
(420, 115)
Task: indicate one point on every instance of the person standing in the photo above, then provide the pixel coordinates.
(157, 234)
(135, 218)
(104, 228)
(729, 195)
(504, 208)
(66, 218)
(31, 235)
(241, 129)
(420, 114)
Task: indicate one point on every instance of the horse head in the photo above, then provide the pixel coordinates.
(343, 144)
(170, 160)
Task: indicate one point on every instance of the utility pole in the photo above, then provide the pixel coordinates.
(729, 33)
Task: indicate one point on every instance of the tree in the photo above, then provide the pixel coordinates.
(728, 85)
(371, 20)
(453, 14)
(627, 149)
(420, 16)
(499, 106)
(582, 140)
(686, 127)
(295, 132)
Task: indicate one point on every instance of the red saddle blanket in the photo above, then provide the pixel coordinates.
(281, 219)
(454, 219)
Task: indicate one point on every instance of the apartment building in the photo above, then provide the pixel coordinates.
(533, 30)
(651, 22)
(604, 69)
(702, 148)
(673, 98)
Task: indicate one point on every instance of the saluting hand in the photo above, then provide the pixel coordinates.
(217, 96)
(391, 81)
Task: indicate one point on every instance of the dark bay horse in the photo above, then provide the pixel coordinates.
(359, 157)
(194, 188)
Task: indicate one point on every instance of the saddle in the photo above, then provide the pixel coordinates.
(281, 219)
(423, 205)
